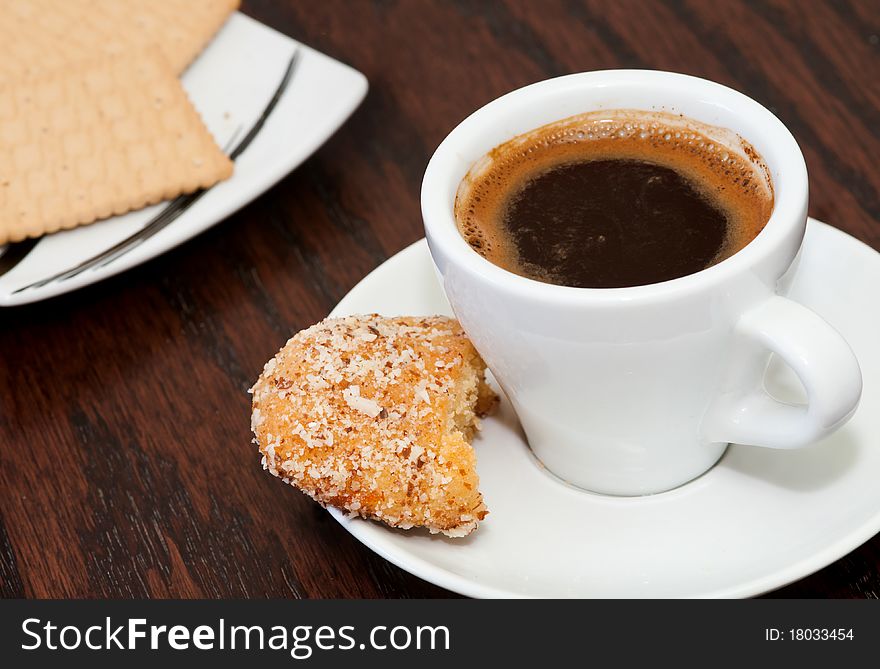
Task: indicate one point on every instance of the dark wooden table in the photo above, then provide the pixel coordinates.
(126, 468)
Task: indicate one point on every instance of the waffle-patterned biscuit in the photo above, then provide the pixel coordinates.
(42, 35)
(98, 139)
(374, 416)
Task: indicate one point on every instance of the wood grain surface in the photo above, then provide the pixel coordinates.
(126, 466)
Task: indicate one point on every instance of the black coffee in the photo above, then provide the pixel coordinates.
(612, 201)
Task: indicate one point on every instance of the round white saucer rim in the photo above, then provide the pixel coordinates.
(376, 537)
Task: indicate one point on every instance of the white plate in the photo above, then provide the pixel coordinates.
(231, 84)
(756, 521)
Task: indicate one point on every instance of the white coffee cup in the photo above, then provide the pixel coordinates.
(631, 391)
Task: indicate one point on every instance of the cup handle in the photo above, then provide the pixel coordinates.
(822, 360)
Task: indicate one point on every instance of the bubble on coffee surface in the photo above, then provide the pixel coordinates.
(726, 169)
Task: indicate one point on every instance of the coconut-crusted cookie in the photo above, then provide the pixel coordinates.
(374, 415)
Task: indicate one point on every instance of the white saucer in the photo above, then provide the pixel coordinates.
(758, 520)
(269, 101)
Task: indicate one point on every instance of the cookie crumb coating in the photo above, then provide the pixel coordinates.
(374, 415)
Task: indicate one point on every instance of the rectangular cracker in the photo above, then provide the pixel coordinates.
(97, 139)
(42, 35)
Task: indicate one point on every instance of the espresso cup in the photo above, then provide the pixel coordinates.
(632, 391)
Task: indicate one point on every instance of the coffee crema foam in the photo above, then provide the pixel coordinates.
(721, 165)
